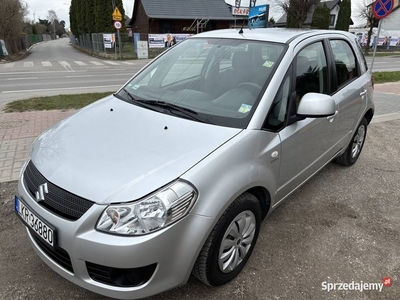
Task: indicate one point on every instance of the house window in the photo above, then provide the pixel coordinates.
(332, 20)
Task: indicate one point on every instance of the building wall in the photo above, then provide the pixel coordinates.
(335, 11)
(141, 21)
(392, 21)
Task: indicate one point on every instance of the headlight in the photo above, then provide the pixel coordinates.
(153, 213)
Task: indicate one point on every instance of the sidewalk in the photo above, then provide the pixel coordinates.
(19, 130)
(388, 88)
(17, 133)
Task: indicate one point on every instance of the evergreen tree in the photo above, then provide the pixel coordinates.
(321, 17)
(93, 16)
(73, 17)
(90, 19)
(103, 15)
(81, 17)
(343, 21)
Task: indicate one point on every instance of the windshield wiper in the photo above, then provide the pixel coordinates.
(173, 107)
(138, 102)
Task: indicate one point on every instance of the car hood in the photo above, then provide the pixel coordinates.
(114, 151)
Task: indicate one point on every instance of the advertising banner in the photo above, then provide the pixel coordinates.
(381, 41)
(241, 11)
(3, 48)
(394, 41)
(166, 40)
(108, 40)
(258, 16)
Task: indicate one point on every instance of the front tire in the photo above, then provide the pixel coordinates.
(353, 150)
(230, 243)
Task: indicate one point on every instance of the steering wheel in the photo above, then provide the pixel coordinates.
(252, 87)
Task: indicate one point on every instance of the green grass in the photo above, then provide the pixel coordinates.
(60, 102)
(382, 77)
(382, 54)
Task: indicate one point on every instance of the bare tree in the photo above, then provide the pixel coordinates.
(12, 13)
(296, 11)
(364, 11)
(53, 18)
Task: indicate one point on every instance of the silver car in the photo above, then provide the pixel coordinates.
(173, 174)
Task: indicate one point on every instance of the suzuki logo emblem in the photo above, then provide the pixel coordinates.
(41, 191)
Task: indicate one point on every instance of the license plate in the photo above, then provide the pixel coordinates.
(42, 229)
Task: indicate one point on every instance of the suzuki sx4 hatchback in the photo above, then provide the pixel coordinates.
(173, 174)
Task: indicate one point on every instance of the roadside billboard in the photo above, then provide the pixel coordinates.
(165, 40)
(108, 40)
(258, 16)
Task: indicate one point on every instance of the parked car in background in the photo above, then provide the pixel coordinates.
(173, 174)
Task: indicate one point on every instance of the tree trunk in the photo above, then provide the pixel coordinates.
(369, 38)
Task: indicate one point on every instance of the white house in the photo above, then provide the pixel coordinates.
(333, 5)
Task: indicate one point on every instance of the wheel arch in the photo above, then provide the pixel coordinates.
(368, 115)
(263, 197)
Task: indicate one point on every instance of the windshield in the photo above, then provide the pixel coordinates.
(218, 80)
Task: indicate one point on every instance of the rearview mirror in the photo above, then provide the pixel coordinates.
(315, 105)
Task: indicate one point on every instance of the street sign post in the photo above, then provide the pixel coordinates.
(117, 25)
(381, 9)
(117, 15)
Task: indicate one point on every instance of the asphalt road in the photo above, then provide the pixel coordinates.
(385, 63)
(342, 226)
(55, 67)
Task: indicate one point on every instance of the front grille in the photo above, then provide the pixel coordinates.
(57, 200)
(57, 254)
(120, 277)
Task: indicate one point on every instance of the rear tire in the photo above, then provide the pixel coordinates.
(353, 150)
(230, 243)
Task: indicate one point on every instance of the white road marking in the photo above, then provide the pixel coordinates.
(96, 63)
(9, 65)
(46, 64)
(81, 63)
(78, 76)
(66, 65)
(26, 78)
(28, 64)
(128, 62)
(111, 63)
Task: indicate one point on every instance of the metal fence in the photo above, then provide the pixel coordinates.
(107, 45)
(21, 44)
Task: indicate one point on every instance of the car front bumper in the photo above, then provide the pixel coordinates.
(169, 254)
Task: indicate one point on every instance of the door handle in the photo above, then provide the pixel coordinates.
(363, 93)
(331, 118)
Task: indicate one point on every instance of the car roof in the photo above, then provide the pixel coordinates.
(280, 35)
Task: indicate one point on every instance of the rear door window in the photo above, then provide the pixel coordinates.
(345, 62)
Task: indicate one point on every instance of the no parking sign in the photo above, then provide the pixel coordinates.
(382, 8)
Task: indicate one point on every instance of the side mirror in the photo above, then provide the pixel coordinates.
(314, 105)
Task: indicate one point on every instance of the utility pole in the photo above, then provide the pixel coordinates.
(118, 35)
